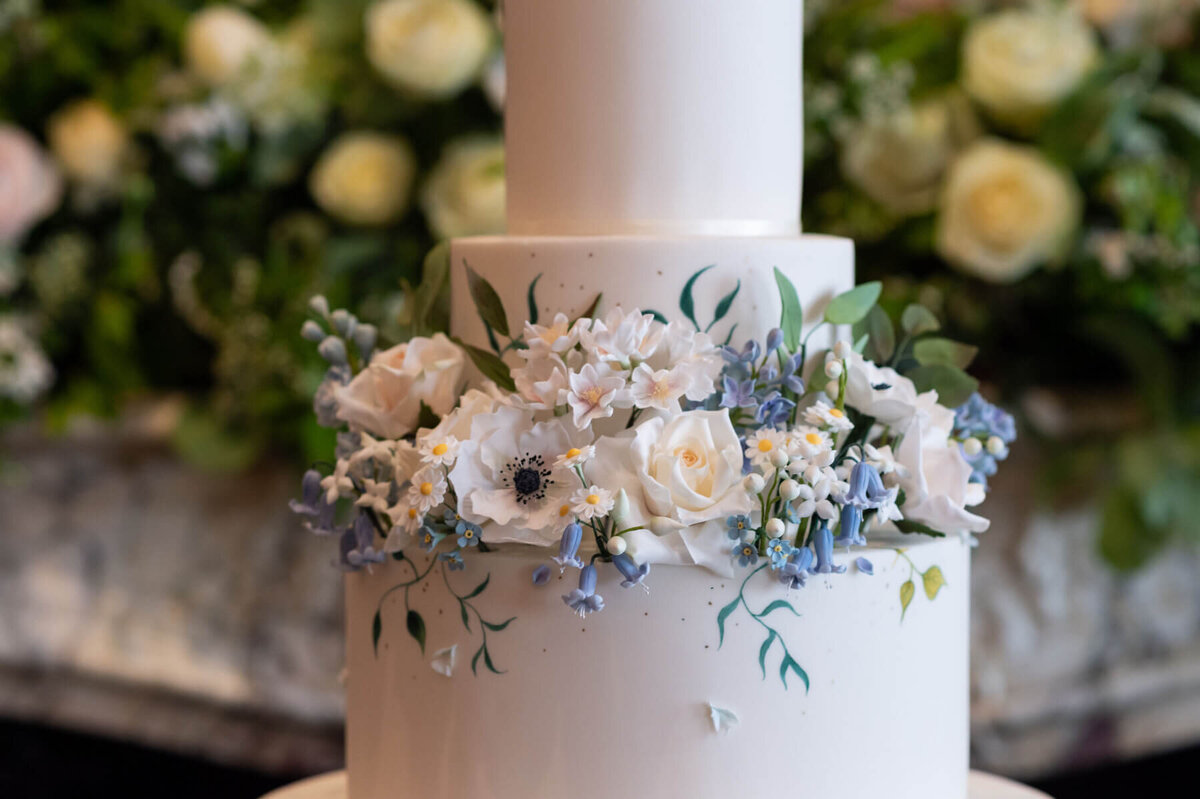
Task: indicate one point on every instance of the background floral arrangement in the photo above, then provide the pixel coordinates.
(666, 447)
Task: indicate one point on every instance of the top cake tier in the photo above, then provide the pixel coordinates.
(659, 117)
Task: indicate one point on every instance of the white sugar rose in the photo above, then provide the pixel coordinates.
(1006, 210)
(458, 422)
(88, 141)
(899, 160)
(683, 479)
(935, 475)
(364, 178)
(385, 398)
(429, 47)
(30, 186)
(222, 42)
(1019, 64)
(465, 192)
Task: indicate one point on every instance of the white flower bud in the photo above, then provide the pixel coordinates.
(972, 446)
(620, 511)
(842, 350)
(754, 482)
(789, 490)
(319, 305)
(995, 445)
(775, 528)
(661, 525)
(778, 458)
(833, 369)
(617, 545)
(832, 388)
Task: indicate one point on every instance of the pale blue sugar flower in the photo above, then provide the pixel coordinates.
(736, 527)
(778, 551)
(541, 575)
(568, 548)
(312, 504)
(632, 573)
(453, 559)
(357, 545)
(823, 544)
(468, 533)
(795, 571)
(866, 487)
(584, 599)
(849, 530)
(745, 553)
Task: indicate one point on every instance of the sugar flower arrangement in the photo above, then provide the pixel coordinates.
(622, 441)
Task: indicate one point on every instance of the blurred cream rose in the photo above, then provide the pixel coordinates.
(899, 160)
(465, 192)
(1005, 210)
(88, 141)
(220, 42)
(430, 47)
(30, 186)
(364, 178)
(1020, 63)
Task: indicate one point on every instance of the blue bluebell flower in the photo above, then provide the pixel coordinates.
(568, 547)
(778, 550)
(864, 566)
(745, 553)
(737, 526)
(866, 487)
(584, 599)
(541, 575)
(453, 559)
(632, 573)
(738, 395)
(794, 572)
(357, 545)
(851, 524)
(823, 544)
(468, 533)
(313, 505)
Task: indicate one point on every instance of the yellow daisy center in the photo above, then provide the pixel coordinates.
(412, 513)
(765, 445)
(593, 499)
(813, 438)
(564, 510)
(835, 413)
(426, 488)
(574, 452)
(440, 449)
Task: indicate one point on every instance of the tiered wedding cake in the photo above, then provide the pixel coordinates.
(654, 162)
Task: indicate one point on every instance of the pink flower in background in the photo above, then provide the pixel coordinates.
(30, 186)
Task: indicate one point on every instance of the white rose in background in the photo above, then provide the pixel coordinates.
(899, 160)
(1006, 210)
(465, 192)
(88, 141)
(30, 186)
(1019, 64)
(221, 42)
(683, 478)
(364, 178)
(430, 47)
(385, 398)
(936, 477)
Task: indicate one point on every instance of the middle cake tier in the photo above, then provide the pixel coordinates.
(724, 286)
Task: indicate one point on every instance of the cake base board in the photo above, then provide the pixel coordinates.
(980, 785)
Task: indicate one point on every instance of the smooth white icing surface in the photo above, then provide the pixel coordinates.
(665, 117)
(617, 704)
(651, 273)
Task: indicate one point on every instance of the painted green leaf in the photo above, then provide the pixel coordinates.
(686, 303)
(658, 317)
(953, 385)
(416, 628)
(907, 592)
(778, 604)
(724, 305)
(933, 580)
(791, 320)
(725, 613)
(531, 300)
(479, 589)
(487, 661)
(789, 664)
(487, 301)
(490, 365)
(475, 659)
(848, 308)
(918, 319)
(762, 652)
(466, 620)
(501, 626)
(931, 351)
(909, 527)
(376, 631)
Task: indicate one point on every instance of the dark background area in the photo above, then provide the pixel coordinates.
(39, 762)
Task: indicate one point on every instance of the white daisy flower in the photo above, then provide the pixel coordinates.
(761, 446)
(825, 415)
(575, 456)
(438, 450)
(592, 502)
(592, 394)
(660, 389)
(428, 489)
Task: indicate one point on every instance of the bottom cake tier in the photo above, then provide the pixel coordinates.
(477, 684)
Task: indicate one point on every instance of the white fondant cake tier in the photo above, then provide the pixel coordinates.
(671, 116)
(621, 703)
(725, 285)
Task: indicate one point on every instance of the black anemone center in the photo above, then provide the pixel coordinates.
(528, 477)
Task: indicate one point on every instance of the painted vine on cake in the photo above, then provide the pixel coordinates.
(620, 440)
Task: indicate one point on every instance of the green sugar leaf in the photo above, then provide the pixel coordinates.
(848, 308)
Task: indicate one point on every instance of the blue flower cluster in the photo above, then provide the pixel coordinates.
(979, 419)
(760, 384)
(584, 599)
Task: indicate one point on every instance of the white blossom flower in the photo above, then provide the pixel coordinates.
(25, 372)
(593, 391)
(428, 489)
(575, 456)
(438, 450)
(544, 380)
(659, 389)
(811, 445)
(375, 495)
(558, 336)
(822, 414)
(338, 484)
(592, 502)
(761, 445)
(622, 338)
